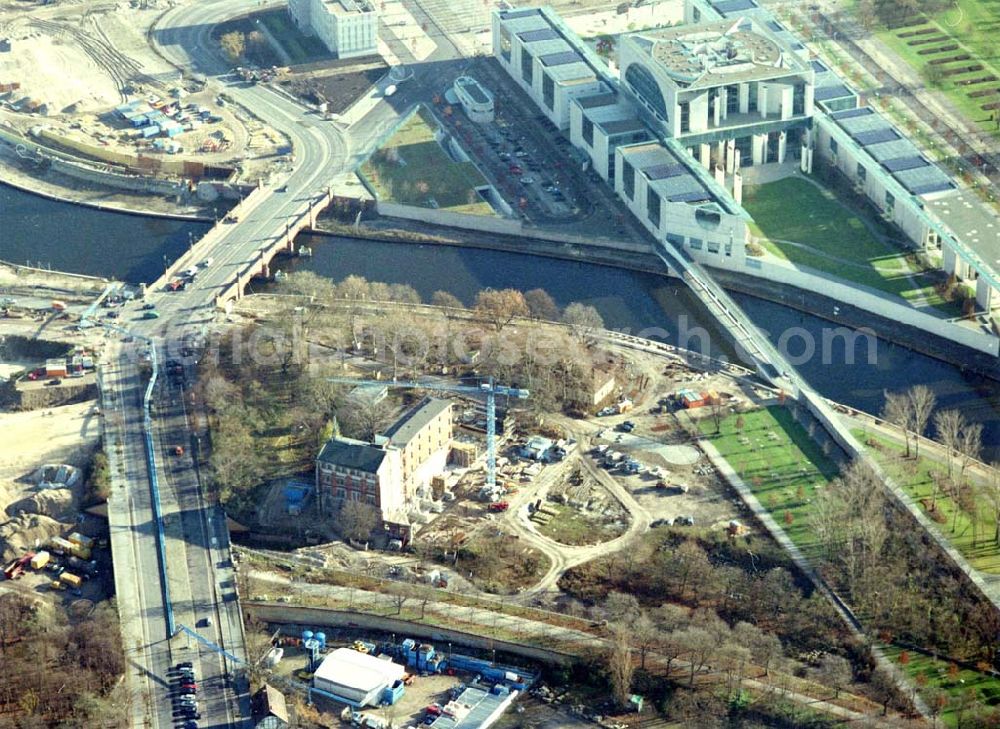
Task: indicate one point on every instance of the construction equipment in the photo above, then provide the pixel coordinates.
(488, 388)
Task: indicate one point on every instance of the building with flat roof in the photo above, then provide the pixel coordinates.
(356, 678)
(348, 28)
(476, 100)
(726, 80)
(549, 61)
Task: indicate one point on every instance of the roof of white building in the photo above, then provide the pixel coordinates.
(358, 671)
(721, 52)
(416, 419)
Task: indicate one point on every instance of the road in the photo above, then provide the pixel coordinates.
(186, 578)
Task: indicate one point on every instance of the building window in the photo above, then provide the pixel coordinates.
(505, 44)
(695, 15)
(833, 146)
(862, 174)
(685, 107)
(675, 240)
(890, 202)
(370, 499)
(341, 494)
(548, 91)
(628, 179)
(653, 207)
(752, 96)
(641, 81)
(695, 243)
(527, 67)
(732, 99)
(799, 100)
(729, 249)
(588, 132)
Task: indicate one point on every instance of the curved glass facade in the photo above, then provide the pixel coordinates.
(642, 82)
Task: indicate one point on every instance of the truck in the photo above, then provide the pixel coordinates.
(40, 560)
(68, 578)
(16, 568)
(82, 540)
(499, 506)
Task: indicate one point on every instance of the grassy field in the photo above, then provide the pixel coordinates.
(822, 233)
(934, 675)
(412, 169)
(572, 526)
(915, 477)
(780, 463)
(972, 25)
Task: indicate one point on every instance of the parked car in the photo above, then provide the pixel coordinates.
(53, 382)
(148, 307)
(151, 315)
(527, 180)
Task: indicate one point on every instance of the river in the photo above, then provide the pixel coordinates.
(133, 248)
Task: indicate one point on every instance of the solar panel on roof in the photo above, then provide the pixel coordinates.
(511, 14)
(905, 163)
(818, 67)
(876, 136)
(775, 26)
(733, 6)
(831, 92)
(696, 196)
(561, 59)
(852, 113)
(796, 46)
(542, 34)
(929, 187)
(662, 172)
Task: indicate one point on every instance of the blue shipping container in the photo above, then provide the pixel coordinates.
(151, 131)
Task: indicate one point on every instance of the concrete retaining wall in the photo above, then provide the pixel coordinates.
(466, 221)
(859, 296)
(327, 617)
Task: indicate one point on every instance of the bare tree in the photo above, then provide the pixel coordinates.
(542, 305)
(970, 446)
(362, 416)
(445, 298)
(897, 411)
(234, 44)
(357, 519)
(834, 671)
(621, 607)
(644, 635)
(949, 424)
(585, 320)
(501, 306)
(620, 665)
(699, 646)
(921, 403)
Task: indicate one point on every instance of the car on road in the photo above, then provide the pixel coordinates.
(148, 307)
(112, 314)
(53, 382)
(151, 315)
(283, 188)
(205, 623)
(627, 427)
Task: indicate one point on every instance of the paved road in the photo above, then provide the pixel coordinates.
(200, 585)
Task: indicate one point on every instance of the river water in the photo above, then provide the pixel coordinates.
(133, 248)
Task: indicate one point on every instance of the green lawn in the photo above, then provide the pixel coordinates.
(780, 463)
(572, 526)
(411, 168)
(973, 25)
(934, 673)
(808, 226)
(914, 477)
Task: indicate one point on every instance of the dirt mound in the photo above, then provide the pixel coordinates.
(60, 504)
(25, 532)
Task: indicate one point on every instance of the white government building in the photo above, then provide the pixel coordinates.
(348, 28)
(690, 106)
